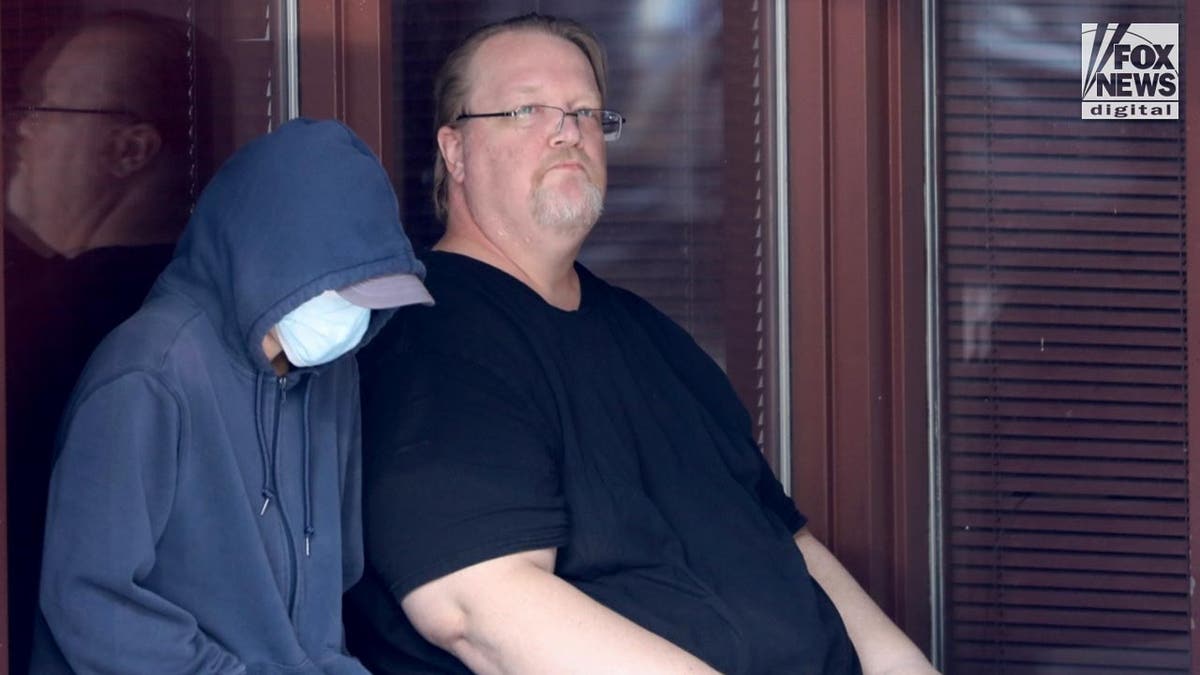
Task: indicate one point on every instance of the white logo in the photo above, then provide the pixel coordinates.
(1130, 71)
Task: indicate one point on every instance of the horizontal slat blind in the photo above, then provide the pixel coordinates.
(244, 38)
(1064, 409)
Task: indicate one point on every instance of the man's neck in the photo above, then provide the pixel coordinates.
(552, 277)
(137, 219)
(126, 220)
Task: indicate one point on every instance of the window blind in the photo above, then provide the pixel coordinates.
(1062, 289)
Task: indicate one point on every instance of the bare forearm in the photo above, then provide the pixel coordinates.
(882, 647)
(534, 622)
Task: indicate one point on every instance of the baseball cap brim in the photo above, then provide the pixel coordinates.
(395, 290)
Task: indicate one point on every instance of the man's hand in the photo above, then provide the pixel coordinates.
(513, 615)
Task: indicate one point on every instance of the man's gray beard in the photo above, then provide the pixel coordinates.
(567, 216)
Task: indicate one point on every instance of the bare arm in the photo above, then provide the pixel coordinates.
(513, 615)
(882, 647)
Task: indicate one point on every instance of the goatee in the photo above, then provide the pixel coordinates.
(556, 212)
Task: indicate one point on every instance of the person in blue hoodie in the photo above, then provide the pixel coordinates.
(204, 509)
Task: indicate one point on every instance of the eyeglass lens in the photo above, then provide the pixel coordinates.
(606, 121)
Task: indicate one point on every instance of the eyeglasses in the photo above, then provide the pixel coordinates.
(34, 110)
(537, 116)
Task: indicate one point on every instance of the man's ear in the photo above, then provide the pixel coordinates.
(450, 145)
(132, 147)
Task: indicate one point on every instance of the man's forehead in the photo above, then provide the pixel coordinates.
(526, 61)
(82, 68)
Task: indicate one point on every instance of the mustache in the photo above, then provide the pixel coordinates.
(567, 156)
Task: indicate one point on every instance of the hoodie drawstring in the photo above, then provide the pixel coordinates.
(268, 454)
(264, 451)
(268, 489)
(308, 523)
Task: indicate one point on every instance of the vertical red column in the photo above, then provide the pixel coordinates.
(345, 48)
(856, 158)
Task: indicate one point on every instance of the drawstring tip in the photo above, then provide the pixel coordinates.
(307, 548)
(266, 503)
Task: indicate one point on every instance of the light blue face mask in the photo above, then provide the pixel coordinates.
(321, 329)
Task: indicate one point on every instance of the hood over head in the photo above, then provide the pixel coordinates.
(302, 210)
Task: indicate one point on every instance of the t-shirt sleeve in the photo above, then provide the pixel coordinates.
(459, 469)
(774, 499)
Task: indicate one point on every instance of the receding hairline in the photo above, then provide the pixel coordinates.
(468, 71)
(120, 45)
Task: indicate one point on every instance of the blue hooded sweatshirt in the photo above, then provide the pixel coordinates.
(204, 512)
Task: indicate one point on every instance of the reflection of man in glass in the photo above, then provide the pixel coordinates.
(97, 192)
(102, 137)
(558, 479)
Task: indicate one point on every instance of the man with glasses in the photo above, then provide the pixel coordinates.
(558, 479)
(103, 137)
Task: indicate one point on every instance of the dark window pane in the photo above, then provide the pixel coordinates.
(80, 252)
(1064, 354)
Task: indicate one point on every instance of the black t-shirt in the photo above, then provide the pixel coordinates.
(495, 423)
